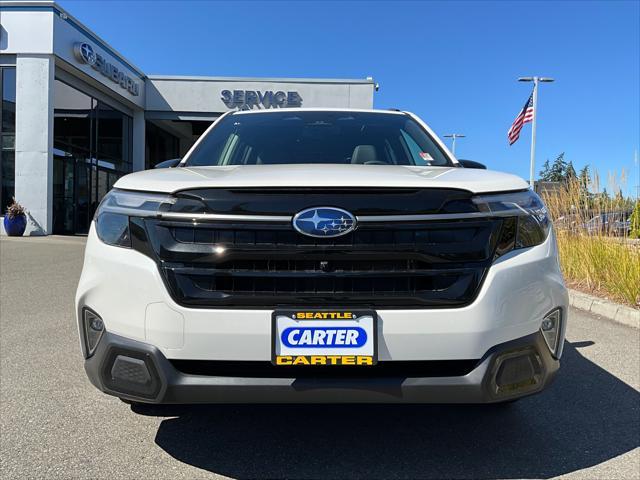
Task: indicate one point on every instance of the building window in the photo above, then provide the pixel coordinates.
(160, 145)
(92, 148)
(7, 136)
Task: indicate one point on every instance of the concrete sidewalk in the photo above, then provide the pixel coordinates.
(605, 308)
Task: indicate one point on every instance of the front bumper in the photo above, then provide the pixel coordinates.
(125, 288)
(151, 378)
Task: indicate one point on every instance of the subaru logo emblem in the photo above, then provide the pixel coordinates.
(321, 222)
(84, 52)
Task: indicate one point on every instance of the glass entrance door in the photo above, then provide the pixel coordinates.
(72, 206)
(63, 194)
(92, 149)
(83, 210)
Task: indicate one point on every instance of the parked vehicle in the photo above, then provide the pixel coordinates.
(321, 256)
(612, 223)
(570, 222)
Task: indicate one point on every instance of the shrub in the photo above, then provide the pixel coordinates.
(635, 221)
(591, 257)
(605, 265)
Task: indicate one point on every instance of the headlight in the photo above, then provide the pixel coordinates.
(112, 216)
(533, 223)
(113, 229)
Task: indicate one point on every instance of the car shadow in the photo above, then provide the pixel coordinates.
(587, 417)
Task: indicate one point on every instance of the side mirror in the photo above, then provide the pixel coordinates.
(472, 164)
(169, 163)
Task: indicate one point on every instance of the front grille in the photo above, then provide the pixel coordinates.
(396, 369)
(396, 264)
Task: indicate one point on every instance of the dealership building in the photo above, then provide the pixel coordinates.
(77, 115)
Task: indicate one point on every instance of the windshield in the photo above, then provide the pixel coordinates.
(287, 137)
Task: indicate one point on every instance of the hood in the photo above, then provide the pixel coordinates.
(169, 180)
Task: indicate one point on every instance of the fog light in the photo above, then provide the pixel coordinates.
(551, 329)
(95, 324)
(93, 330)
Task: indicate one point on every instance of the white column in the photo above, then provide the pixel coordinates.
(138, 140)
(34, 140)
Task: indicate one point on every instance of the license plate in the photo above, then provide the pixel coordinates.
(324, 337)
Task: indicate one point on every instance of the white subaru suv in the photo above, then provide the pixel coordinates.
(321, 256)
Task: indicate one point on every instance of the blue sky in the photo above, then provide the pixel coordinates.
(453, 63)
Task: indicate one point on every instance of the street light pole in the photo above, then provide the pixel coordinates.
(453, 137)
(635, 160)
(532, 173)
(536, 81)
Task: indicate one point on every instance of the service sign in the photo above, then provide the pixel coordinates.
(324, 337)
(247, 99)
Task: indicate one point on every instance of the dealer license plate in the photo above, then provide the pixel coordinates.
(324, 337)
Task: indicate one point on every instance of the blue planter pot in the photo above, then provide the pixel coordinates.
(15, 226)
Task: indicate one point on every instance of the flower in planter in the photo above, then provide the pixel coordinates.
(15, 221)
(15, 210)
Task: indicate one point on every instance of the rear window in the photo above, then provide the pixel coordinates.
(293, 137)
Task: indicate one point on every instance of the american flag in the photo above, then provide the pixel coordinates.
(525, 116)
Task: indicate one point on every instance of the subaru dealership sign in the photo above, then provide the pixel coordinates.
(85, 53)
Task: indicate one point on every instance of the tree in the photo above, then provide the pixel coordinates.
(602, 201)
(584, 177)
(570, 172)
(545, 173)
(584, 182)
(558, 171)
(619, 198)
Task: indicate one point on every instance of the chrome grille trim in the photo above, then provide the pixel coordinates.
(223, 217)
(213, 217)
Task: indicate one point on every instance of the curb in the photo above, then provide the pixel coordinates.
(605, 308)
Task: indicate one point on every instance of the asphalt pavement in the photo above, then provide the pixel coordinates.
(55, 424)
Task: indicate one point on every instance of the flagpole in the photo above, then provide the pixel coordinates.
(533, 133)
(536, 81)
